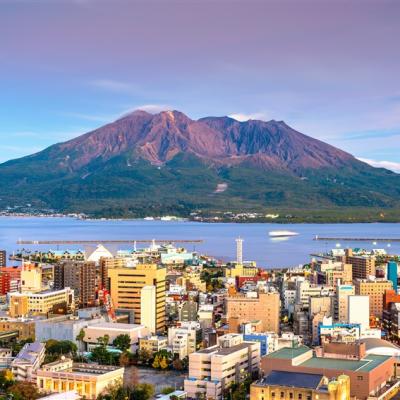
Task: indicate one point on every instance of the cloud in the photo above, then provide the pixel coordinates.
(391, 165)
(245, 117)
(150, 108)
(90, 117)
(113, 85)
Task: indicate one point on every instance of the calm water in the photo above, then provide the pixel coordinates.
(219, 239)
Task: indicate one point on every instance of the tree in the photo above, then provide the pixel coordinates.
(101, 355)
(6, 379)
(142, 391)
(144, 356)
(60, 347)
(80, 336)
(124, 359)
(177, 364)
(122, 342)
(103, 340)
(164, 363)
(24, 391)
(156, 362)
(114, 392)
(167, 390)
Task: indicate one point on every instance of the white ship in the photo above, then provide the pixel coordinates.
(282, 233)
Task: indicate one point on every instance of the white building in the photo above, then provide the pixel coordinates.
(27, 361)
(359, 311)
(184, 339)
(148, 308)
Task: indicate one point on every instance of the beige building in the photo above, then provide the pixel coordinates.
(31, 278)
(148, 308)
(153, 344)
(264, 306)
(292, 385)
(342, 302)
(375, 289)
(88, 380)
(39, 303)
(216, 368)
(25, 327)
(363, 266)
(185, 338)
(126, 285)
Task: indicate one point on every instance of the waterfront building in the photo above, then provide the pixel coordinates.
(27, 361)
(215, 369)
(293, 385)
(88, 380)
(127, 283)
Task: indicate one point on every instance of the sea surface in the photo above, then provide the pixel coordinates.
(219, 238)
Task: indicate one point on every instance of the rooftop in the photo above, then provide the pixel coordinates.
(289, 352)
(115, 326)
(291, 379)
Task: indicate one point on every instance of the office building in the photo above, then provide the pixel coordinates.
(375, 290)
(342, 302)
(292, 385)
(148, 308)
(392, 274)
(127, 283)
(88, 380)
(79, 276)
(215, 369)
(262, 306)
(22, 304)
(358, 311)
(27, 361)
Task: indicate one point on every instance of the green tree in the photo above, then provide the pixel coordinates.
(167, 390)
(103, 340)
(24, 391)
(142, 391)
(80, 336)
(61, 347)
(122, 342)
(101, 355)
(144, 356)
(124, 359)
(115, 392)
(6, 379)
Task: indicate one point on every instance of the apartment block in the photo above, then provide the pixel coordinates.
(262, 306)
(27, 361)
(185, 338)
(363, 266)
(216, 368)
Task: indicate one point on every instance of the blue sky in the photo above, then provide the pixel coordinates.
(328, 69)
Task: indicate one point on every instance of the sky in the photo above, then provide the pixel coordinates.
(330, 69)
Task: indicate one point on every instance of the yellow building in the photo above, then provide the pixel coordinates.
(22, 304)
(285, 385)
(88, 380)
(237, 269)
(31, 278)
(126, 285)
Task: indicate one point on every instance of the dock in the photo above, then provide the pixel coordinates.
(355, 239)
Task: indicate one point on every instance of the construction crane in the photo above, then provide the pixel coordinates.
(105, 298)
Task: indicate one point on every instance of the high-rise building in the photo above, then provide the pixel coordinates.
(392, 273)
(3, 258)
(375, 289)
(126, 284)
(264, 306)
(358, 311)
(239, 250)
(31, 278)
(363, 266)
(79, 276)
(148, 310)
(342, 302)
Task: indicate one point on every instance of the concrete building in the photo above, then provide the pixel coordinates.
(40, 303)
(305, 290)
(5, 358)
(188, 311)
(262, 306)
(79, 276)
(31, 278)
(24, 326)
(63, 327)
(10, 279)
(153, 344)
(331, 272)
(27, 361)
(148, 308)
(126, 284)
(342, 302)
(293, 385)
(88, 380)
(363, 266)
(94, 332)
(375, 290)
(359, 311)
(216, 368)
(185, 338)
(370, 375)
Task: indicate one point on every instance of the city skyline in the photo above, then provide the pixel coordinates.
(328, 70)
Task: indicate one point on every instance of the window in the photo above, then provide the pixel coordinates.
(282, 395)
(290, 395)
(300, 396)
(360, 378)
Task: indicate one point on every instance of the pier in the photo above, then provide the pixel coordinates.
(133, 241)
(355, 239)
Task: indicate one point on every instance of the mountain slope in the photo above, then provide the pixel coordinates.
(150, 164)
